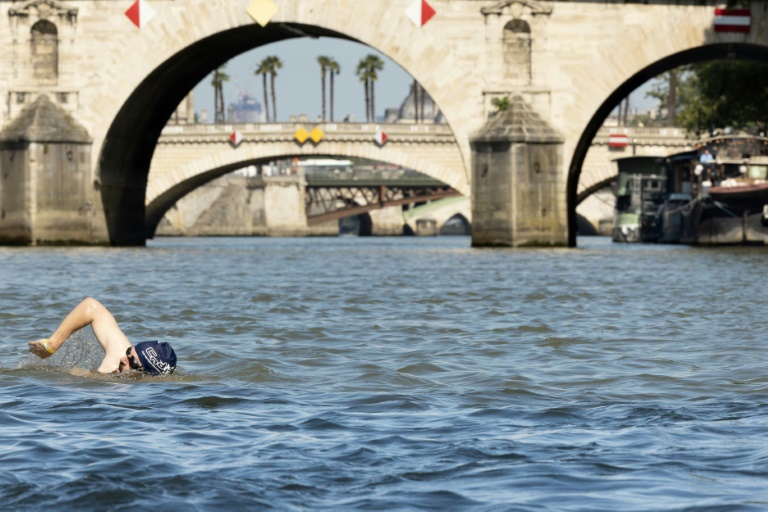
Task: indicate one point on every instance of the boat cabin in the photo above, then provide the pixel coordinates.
(640, 189)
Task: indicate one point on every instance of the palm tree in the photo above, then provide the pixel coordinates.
(274, 64)
(219, 77)
(367, 70)
(375, 64)
(334, 69)
(269, 66)
(263, 70)
(363, 73)
(324, 62)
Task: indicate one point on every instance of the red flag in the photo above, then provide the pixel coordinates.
(426, 12)
(617, 140)
(140, 13)
(732, 20)
(381, 137)
(420, 12)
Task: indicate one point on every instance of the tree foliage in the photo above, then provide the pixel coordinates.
(501, 104)
(217, 81)
(263, 70)
(717, 94)
(324, 63)
(269, 66)
(334, 68)
(367, 71)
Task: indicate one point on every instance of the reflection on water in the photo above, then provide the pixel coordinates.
(390, 374)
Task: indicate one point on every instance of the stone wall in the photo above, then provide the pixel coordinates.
(234, 206)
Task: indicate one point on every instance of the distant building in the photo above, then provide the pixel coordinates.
(407, 111)
(246, 110)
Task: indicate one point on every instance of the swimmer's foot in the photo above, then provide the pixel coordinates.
(38, 348)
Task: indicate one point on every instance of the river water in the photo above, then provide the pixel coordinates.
(390, 374)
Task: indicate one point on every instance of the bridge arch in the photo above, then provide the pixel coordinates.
(466, 225)
(130, 141)
(163, 193)
(741, 51)
(459, 58)
(440, 211)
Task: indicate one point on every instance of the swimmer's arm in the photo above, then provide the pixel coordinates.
(88, 312)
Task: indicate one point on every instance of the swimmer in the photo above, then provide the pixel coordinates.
(119, 355)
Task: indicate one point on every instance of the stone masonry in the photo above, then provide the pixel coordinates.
(570, 61)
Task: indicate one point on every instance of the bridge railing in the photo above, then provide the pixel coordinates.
(643, 131)
(290, 128)
(653, 135)
(605, 131)
(403, 177)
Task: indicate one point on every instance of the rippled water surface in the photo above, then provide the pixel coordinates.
(391, 374)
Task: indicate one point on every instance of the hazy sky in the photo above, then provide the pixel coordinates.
(298, 82)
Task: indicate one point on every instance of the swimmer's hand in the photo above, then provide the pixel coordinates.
(39, 348)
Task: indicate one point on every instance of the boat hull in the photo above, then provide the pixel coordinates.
(717, 224)
(748, 197)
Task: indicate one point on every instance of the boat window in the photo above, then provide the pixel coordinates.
(623, 203)
(757, 172)
(652, 185)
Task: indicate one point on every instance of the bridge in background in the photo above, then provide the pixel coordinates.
(332, 196)
(295, 204)
(187, 154)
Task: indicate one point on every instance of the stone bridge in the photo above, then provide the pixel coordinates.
(435, 214)
(187, 156)
(569, 63)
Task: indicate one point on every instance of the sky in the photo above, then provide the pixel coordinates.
(298, 82)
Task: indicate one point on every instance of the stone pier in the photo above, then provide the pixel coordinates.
(48, 189)
(516, 159)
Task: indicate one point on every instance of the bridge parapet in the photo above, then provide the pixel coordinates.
(396, 132)
(670, 137)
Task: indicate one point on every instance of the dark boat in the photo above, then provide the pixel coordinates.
(751, 195)
(640, 188)
(730, 200)
(682, 198)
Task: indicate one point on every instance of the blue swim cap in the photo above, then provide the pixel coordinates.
(156, 358)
